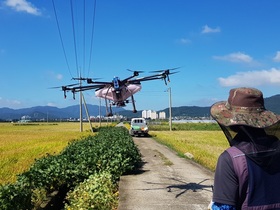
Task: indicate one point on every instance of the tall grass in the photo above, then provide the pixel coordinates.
(21, 144)
(204, 146)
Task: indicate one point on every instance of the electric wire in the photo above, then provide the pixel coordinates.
(92, 33)
(74, 31)
(84, 38)
(74, 38)
(60, 35)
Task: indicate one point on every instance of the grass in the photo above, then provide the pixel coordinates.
(21, 144)
(205, 146)
(165, 160)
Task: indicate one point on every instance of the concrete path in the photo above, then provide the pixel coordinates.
(165, 181)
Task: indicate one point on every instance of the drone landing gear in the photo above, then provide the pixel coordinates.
(109, 112)
(133, 104)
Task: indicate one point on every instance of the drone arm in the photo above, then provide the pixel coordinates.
(149, 78)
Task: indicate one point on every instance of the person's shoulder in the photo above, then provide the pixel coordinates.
(225, 155)
(225, 159)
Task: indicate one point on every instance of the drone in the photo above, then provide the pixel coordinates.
(117, 91)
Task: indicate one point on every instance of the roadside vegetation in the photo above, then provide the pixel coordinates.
(21, 144)
(85, 172)
(39, 161)
(201, 142)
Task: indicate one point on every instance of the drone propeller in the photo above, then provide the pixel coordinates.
(66, 88)
(167, 71)
(85, 79)
(135, 73)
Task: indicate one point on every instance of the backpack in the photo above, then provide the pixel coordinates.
(258, 192)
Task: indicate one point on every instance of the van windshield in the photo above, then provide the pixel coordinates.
(137, 121)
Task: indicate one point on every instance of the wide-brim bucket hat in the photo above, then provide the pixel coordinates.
(245, 106)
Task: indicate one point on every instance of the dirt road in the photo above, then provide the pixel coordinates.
(165, 181)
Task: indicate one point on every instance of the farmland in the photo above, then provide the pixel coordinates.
(203, 147)
(90, 166)
(20, 145)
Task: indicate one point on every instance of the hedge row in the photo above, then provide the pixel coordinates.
(111, 150)
(97, 192)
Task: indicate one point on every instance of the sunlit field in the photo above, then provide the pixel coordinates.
(204, 146)
(21, 144)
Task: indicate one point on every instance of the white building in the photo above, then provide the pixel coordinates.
(144, 114)
(162, 115)
(149, 114)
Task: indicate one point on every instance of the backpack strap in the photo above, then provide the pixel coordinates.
(241, 170)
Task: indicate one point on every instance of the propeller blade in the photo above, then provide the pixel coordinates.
(135, 71)
(64, 86)
(71, 85)
(165, 70)
(174, 72)
(84, 79)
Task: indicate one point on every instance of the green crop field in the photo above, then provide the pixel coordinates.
(21, 144)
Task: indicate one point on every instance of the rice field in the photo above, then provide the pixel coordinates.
(21, 144)
(203, 146)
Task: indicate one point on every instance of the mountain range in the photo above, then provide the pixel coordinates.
(73, 112)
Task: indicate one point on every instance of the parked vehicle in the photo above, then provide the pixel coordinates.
(138, 126)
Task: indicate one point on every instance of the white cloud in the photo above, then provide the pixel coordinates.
(184, 41)
(277, 57)
(204, 101)
(59, 76)
(22, 6)
(9, 103)
(235, 57)
(54, 76)
(252, 78)
(51, 104)
(206, 29)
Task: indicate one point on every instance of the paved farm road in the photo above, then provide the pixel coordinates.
(165, 182)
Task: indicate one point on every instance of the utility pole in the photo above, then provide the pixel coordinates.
(170, 109)
(99, 112)
(81, 109)
(86, 109)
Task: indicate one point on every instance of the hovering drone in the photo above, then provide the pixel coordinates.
(118, 91)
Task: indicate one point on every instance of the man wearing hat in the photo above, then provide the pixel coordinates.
(247, 174)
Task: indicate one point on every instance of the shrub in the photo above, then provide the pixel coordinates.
(112, 151)
(16, 196)
(97, 192)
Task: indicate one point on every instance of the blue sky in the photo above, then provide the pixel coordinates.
(218, 45)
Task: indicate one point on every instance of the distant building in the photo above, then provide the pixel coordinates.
(162, 115)
(25, 119)
(149, 114)
(144, 114)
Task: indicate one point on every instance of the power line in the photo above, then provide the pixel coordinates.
(74, 32)
(92, 33)
(74, 38)
(84, 38)
(61, 40)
